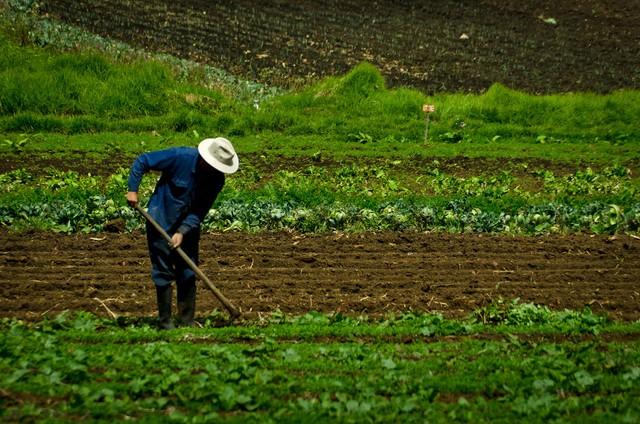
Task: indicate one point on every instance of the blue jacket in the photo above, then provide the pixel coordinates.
(182, 197)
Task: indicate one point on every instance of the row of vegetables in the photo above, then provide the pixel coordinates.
(343, 199)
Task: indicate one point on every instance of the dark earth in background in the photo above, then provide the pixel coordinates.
(436, 46)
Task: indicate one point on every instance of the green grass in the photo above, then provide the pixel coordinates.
(525, 363)
(80, 84)
(563, 117)
(77, 100)
(104, 141)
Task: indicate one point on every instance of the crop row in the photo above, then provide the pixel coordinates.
(349, 198)
(75, 366)
(99, 213)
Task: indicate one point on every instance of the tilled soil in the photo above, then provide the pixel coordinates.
(374, 274)
(435, 46)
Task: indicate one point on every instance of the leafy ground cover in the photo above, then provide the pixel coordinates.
(506, 362)
(346, 198)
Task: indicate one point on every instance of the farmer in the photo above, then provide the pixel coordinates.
(190, 182)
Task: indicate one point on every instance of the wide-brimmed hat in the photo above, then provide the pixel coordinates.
(219, 153)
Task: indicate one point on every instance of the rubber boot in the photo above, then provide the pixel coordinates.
(187, 302)
(164, 296)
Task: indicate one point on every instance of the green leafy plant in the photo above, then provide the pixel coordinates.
(18, 145)
(360, 137)
(323, 367)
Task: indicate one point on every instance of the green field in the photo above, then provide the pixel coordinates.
(346, 154)
(507, 363)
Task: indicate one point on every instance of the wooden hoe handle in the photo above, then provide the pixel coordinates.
(233, 312)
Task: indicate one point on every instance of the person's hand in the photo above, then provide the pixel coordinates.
(132, 199)
(176, 240)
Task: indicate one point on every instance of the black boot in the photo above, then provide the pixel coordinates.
(187, 302)
(164, 296)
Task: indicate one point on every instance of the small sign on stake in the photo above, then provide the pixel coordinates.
(428, 110)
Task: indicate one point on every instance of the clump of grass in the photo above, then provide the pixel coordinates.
(80, 84)
(358, 107)
(354, 107)
(559, 117)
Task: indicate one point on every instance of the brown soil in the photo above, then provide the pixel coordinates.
(350, 273)
(436, 46)
(104, 165)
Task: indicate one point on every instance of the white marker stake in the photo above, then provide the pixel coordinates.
(428, 110)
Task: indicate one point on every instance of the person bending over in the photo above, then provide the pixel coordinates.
(190, 181)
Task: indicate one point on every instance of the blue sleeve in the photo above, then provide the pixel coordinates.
(154, 161)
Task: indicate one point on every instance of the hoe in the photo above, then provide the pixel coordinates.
(233, 312)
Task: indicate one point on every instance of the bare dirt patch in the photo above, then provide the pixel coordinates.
(350, 273)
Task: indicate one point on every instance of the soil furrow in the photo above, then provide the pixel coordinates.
(351, 273)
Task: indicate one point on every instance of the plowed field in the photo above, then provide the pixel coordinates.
(350, 273)
(435, 46)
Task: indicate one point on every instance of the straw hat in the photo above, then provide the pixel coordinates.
(219, 153)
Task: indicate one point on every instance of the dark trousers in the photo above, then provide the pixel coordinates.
(166, 265)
